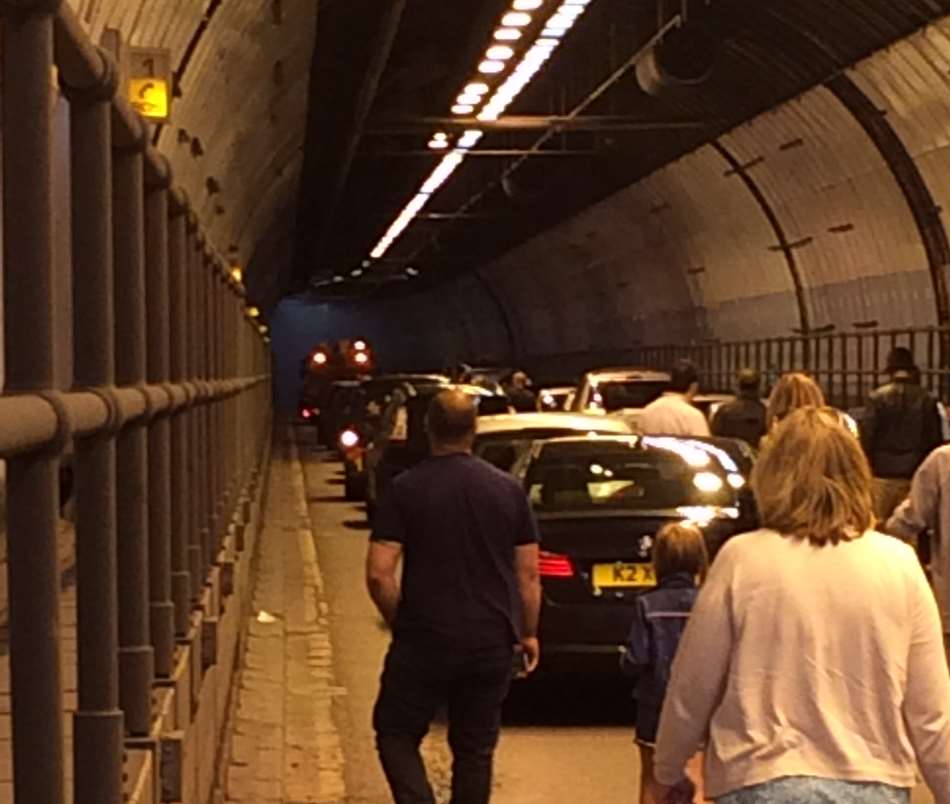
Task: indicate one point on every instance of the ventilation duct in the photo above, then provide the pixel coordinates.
(683, 61)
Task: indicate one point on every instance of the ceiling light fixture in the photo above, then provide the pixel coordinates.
(500, 52)
(490, 67)
(544, 46)
(516, 20)
(507, 34)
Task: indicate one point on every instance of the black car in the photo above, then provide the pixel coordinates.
(400, 441)
(599, 503)
(358, 427)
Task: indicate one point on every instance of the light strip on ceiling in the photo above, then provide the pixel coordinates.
(518, 75)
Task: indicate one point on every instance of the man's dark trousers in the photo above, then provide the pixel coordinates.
(421, 677)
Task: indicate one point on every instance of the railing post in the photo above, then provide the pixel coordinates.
(162, 610)
(98, 722)
(136, 658)
(32, 480)
(180, 470)
(196, 497)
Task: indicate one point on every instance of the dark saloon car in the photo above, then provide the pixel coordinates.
(400, 441)
(358, 428)
(599, 503)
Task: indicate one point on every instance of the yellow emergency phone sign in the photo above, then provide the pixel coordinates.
(149, 97)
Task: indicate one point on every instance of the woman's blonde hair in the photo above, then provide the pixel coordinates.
(792, 391)
(680, 547)
(813, 481)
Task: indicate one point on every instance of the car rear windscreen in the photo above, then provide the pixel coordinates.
(628, 479)
(619, 394)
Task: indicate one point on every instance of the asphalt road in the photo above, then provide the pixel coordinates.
(565, 742)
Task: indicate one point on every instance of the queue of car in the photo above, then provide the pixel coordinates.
(600, 491)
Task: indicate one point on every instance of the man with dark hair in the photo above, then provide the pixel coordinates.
(467, 607)
(744, 416)
(900, 427)
(520, 395)
(674, 413)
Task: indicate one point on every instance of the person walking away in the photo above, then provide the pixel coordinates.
(927, 507)
(901, 426)
(470, 592)
(744, 416)
(680, 558)
(519, 392)
(812, 666)
(673, 413)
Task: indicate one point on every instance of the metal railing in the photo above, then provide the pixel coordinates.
(848, 365)
(167, 419)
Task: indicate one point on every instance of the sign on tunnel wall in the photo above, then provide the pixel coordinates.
(150, 82)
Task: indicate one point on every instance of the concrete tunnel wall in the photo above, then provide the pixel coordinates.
(687, 254)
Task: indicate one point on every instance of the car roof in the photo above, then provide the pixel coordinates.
(557, 389)
(726, 450)
(581, 422)
(628, 373)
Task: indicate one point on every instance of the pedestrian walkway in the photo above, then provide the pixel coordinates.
(284, 746)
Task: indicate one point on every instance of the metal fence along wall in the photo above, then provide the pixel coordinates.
(847, 365)
(166, 424)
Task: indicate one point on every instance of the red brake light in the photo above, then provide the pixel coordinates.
(305, 413)
(554, 565)
(319, 359)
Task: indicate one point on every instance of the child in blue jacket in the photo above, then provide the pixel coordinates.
(681, 561)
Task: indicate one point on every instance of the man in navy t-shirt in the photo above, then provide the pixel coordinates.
(469, 597)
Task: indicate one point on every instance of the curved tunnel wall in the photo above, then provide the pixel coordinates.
(241, 98)
(688, 254)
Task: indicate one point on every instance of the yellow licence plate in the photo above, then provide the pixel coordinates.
(607, 576)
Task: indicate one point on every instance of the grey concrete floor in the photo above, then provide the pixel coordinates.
(562, 743)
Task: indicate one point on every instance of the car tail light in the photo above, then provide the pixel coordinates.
(554, 565)
(349, 439)
(319, 359)
(305, 413)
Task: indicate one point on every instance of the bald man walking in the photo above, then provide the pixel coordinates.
(467, 608)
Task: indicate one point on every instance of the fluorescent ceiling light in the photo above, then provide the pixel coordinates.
(516, 20)
(469, 138)
(489, 67)
(475, 93)
(500, 52)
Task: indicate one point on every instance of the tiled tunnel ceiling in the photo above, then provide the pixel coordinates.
(246, 67)
(770, 51)
(236, 134)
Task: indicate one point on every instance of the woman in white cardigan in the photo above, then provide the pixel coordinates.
(813, 667)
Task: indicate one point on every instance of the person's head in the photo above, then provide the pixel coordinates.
(900, 363)
(451, 421)
(748, 382)
(684, 378)
(680, 548)
(792, 391)
(812, 480)
(519, 380)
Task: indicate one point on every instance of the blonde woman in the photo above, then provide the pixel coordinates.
(813, 665)
(792, 391)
